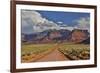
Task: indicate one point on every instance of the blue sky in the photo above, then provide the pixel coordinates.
(37, 21)
(65, 17)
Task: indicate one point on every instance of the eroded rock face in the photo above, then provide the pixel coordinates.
(79, 35)
(76, 35)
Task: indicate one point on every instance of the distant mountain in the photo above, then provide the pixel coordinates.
(62, 35)
(86, 41)
(78, 35)
(59, 34)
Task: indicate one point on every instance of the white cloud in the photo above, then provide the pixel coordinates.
(83, 23)
(59, 22)
(38, 23)
(34, 16)
(68, 28)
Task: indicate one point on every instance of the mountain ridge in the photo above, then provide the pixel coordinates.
(62, 35)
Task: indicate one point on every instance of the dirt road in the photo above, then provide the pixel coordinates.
(55, 55)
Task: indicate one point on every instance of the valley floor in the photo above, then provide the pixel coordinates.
(54, 52)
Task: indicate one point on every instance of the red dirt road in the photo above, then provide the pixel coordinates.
(55, 55)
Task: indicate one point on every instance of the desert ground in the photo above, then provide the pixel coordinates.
(54, 52)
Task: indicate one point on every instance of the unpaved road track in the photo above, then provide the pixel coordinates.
(55, 55)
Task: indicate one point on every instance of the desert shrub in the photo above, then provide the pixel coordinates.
(75, 52)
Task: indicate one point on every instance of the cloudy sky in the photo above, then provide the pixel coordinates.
(36, 21)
